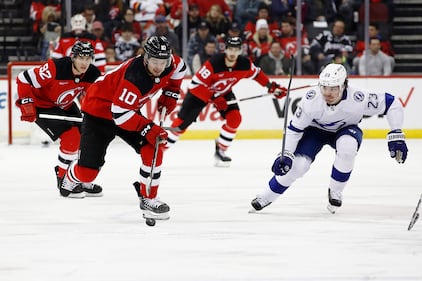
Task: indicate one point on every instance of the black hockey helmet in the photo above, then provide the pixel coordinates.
(157, 47)
(81, 48)
(235, 42)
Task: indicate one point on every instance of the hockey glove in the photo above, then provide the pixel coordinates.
(220, 103)
(153, 133)
(282, 165)
(397, 145)
(27, 107)
(276, 90)
(168, 99)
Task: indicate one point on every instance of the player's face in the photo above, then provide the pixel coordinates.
(81, 64)
(157, 66)
(231, 54)
(331, 94)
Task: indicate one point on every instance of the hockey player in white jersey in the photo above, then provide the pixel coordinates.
(330, 114)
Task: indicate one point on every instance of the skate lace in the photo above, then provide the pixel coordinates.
(154, 202)
(88, 185)
(262, 201)
(67, 184)
(336, 195)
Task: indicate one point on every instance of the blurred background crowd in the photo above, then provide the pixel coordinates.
(329, 31)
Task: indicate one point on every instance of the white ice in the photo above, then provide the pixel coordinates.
(210, 235)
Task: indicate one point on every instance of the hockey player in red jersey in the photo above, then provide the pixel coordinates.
(111, 108)
(79, 33)
(213, 83)
(51, 89)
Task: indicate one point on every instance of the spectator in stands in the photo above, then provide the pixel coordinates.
(193, 23)
(245, 10)
(36, 9)
(373, 32)
(326, 44)
(110, 53)
(281, 9)
(109, 12)
(128, 17)
(127, 44)
(374, 61)
(145, 13)
(260, 42)
(272, 63)
(205, 5)
(66, 41)
(288, 43)
(89, 15)
(319, 10)
(98, 31)
(198, 60)
(50, 30)
(340, 59)
(162, 29)
(263, 13)
(217, 22)
(197, 41)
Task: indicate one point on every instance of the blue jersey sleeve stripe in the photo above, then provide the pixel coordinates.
(389, 98)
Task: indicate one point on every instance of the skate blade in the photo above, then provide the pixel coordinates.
(150, 215)
(222, 164)
(87, 194)
(252, 211)
(332, 209)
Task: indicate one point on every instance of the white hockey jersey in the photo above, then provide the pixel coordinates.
(356, 103)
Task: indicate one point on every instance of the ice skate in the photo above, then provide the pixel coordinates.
(221, 159)
(154, 208)
(59, 179)
(71, 189)
(334, 200)
(92, 189)
(258, 204)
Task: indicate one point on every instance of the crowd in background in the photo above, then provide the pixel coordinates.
(331, 31)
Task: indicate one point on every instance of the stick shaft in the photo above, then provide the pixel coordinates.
(60, 117)
(267, 94)
(156, 147)
(286, 105)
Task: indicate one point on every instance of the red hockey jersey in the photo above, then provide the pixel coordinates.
(215, 79)
(53, 83)
(121, 93)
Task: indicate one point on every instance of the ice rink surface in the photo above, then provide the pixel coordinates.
(210, 235)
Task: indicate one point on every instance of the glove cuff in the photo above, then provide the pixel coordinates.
(395, 135)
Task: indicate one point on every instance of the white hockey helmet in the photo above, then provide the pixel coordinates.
(333, 75)
(78, 22)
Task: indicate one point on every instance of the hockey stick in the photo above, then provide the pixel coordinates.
(415, 215)
(286, 104)
(148, 220)
(60, 117)
(157, 143)
(268, 94)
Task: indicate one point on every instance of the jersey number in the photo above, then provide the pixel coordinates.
(373, 101)
(204, 72)
(44, 72)
(128, 97)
